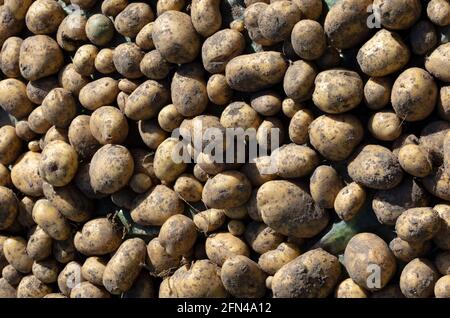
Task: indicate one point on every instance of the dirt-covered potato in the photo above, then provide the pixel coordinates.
(240, 115)
(432, 139)
(24, 132)
(338, 91)
(349, 201)
(335, 136)
(39, 245)
(259, 171)
(324, 186)
(104, 61)
(59, 107)
(54, 133)
(154, 66)
(310, 9)
(206, 16)
(15, 252)
(377, 92)
(25, 174)
(124, 267)
(262, 238)
(277, 20)
(174, 36)
(418, 278)
(385, 125)
(169, 118)
(113, 7)
(308, 39)
(6, 289)
(438, 11)
(398, 14)
(253, 72)
(31, 287)
(99, 29)
(51, 220)
(127, 58)
(69, 277)
(367, 254)
(13, 98)
(251, 18)
(71, 80)
(226, 190)
(108, 125)
(98, 237)
(290, 210)
(188, 188)
(442, 238)
(11, 275)
(178, 235)
(99, 93)
(346, 23)
(44, 16)
(266, 103)
(46, 270)
(349, 289)
(294, 161)
(437, 63)
(144, 37)
(159, 261)
(220, 48)
(111, 168)
(92, 270)
(443, 105)
(221, 246)
(40, 56)
(298, 81)
(84, 59)
(10, 145)
(5, 176)
(199, 280)
(313, 274)
(71, 32)
(133, 18)
(88, 290)
(407, 251)
(415, 160)
(271, 261)
(376, 167)
(146, 100)
(81, 138)
(37, 90)
(442, 287)
(152, 135)
(423, 38)
(418, 224)
(414, 94)
(165, 167)
(9, 57)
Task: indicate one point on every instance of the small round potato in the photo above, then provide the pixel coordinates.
(59, 163)
(39, 245)
(324, 186)
(31, 287)
(415, 160)
(104, 61)
(266, 103)
(418, 279)
(442, 287)
(218, 90)
(11, 275)
(169, 118)
(236, 227)
(438, 12)
(71, 80)
(44, 16)
(385, 126)
(349, 289)
(84, 59)
(377, 92)
(294, 161)
(222, 246)
(398, 14)
(240, 115)
(46, 270)
(99, 29)
(262, 238)
(140, 183)
(206, 17)
(308, 39)
(108, 125)
(418, 224)
(15, 252)
(51, 220)
(178, 235)
(13, 98)
(98, 237)
(188, 188)
(277, 20)
(299, 126)
(133, 18)
(154, 66)
(127, 58)
(298, 81)
(25, 174)
(349, 201)
(92, 270)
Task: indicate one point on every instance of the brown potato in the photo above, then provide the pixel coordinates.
(146, 100)
(310, 9)
(442, 262)
(415, 160)
(251, 17)
(165, 167)
(13, 98)
(46, 271)
(159, 261)
(144, 37)
(418, 224)
(221, 246)
(9, 57)
(298, 81)
(266, 103)
(154, 66)
(270, 133)
(236, 227)
(367, 256)
(437, 63)
(143, 287)
(92, 270)
(418, 279)
(99, 29)
(37, 90)
(59, 163)
(206, 17)
(133, 18)
(23, 131)
(54, 133)
(84, 4)
(324, 186)
(25, 174)
(104, 61)
(39, 245)
(98, 237)
(349, 201)
(188, 188)
(37, 121)
(385, 125)
(152, 135)
(10, 145)
(72, 32)
(59, 107)
(432, 140)
(349, 289)
(71, 80)
(438, 12)
(259, 171)
(84, 59)
(44, 16)
(443, 105)
(113, 7)
(308, 39)
(9, 25)
(31, 287)
(178, 235)
(6, 290)
(277, 20)
(5, 176)
(15, 252)
(240, 115)
(294, 161)
(442, 287)
(140, 183)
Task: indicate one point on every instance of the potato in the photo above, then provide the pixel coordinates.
(437, 63)
(104, 61)
(13, 98)
(206, 17)
(229, 189)
(9, 24)
(308, 39)
(88, 290)
(126, 58)
(40, 56)
(99, 93)
(349, 289)
(24, 216)
(299, 278)
(398, 14)
(178, 235)
(25, 174)
(31, 287)
(46, 271)
(221, 246)
(11, 275)
(418, 279)
(346, 23)
(10, 145)
(251, 18)
(270, 133)
(34, 146)
(84, 58)
(146, 100)
(441, 238)
(200, 174)
(432, 140)
(337, 91)
(133, 18)
(294, 161)
(442, 262)
(111, 168)
(290, 210)
(159, 261)
(98, 237)
(143, 287)
(418, 224)
(144, 37)
(37, 121)
(376, 167)
(71, 80)
(385, 125)
(124, 267)
(59, 163)
(266, 103)
(443, 105)
(154, 66)
(71, 32)
(414, 95)
(18, 7)
(253, 72)
(99, 29)
(415, 160)
(39, 245)
(15, 252)
(423, 38)
(54, 295)
(310, 9)
(442, 287)
(165, 167)
(188, 188)
(277, 20)
(369, 262)
(259, 171)
(166, 5)
(324, 186)
(438, 12)
(152, 135)
(298, 81)
(377, 92)
(188, 90)
(69, 278)
(5, 176)
(272, 260)
(81, 138)
(262, 238)
(175, 38)
(108, 125)
(64, 251)
(140, 183)
(54, 133)
(219, 48)
(23, 131)
(236, 227)
(51, 220)
(349, 201)
(44, 16)
(37, 90)
(240, 115)
(407, 251)
(6, 290)
(92, 270)
(201, 280)
(169, 118)
(113, 7)
(9, 61)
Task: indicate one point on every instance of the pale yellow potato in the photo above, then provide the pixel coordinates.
(271, 261)
(294, 161)
(51, 220)
(159, 261)
(13, 98)
(349, 201)
(442, 287)
(418, 224)
(418, 279)
(324, 186)
(178, 235)
(377, 92)
(349, 289)
(146, 100)
(98, 237)
(15, 252)
(206, 16)
(221, 246)
(415, 160)
(385, 126)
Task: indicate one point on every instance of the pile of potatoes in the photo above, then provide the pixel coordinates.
(91, 92)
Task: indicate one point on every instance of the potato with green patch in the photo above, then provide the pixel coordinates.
(99, 29)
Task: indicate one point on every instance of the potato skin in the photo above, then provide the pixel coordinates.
(133, 18)
(432, 140)
(25, 174)
(39, 245)
(308, 39)
(124, 267)
(144, 37)
(407, 251)
(349, 289)
(71, 32)
(46, 270)
(262, 238)
(363, 251)
(280, 201)
(159, 261)
(415, 160)
(277, 20)
(59, 163)
(113, 7)
(441, 238)
(206, 17)
(51, 220)
(11, 275)
(441, 288)
(127, 58)
(385, 125)
(178, 235)
(423, 38)
(254, 72)
(166, 169)
(318, 275)
(6, 290)
(349, 201)
(436, 63)
(298, 82)
(15, 252)
(81, 138)
(108, 125)
(243, 278)
(31, 287)
(251, 17)
(63, 251)
(377, 92)
(438, 12)
(310, 9)
(99, 93)
(324, 186)
(98, 237)
(84, 59)
(418, 279)
(294, 161)
(9, 57)
(418, 224)
(183, 44)
(154, 66)
(104, 61)
(13, 98)
(71, 80)
(146, 100)
(5, 176)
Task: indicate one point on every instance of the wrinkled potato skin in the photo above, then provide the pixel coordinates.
(418, 278)
(349, 201)
(304, 276)
(51, 220)
(363, 250)
(324, 186)
(13, 98)
(98, 237)
(178, 235)
(25, 174)
(124, 267)
(175, 37)
(15, 252)
(253, 72)
(290, 210)
(146, 100)
(10, 145)
(349, 289)
(39, 245)
(415, 160)
(221, 246)
(436, 63)
(31, 287)
(298, 81)
(271, 261)
(206, 17)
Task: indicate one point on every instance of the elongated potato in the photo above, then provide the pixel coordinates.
(8, 208)
(349, 201)
(294, 161)
(39, 245)
(221, 246)
(206, 17)
(178, 235)
(166, 164)
(146, 100)
(51, 220)
(25, 174)
(298, 81)
(15, 252)
(324, 186)
(13, 98)
(99, 93)
(31, 287)
(9, 58)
